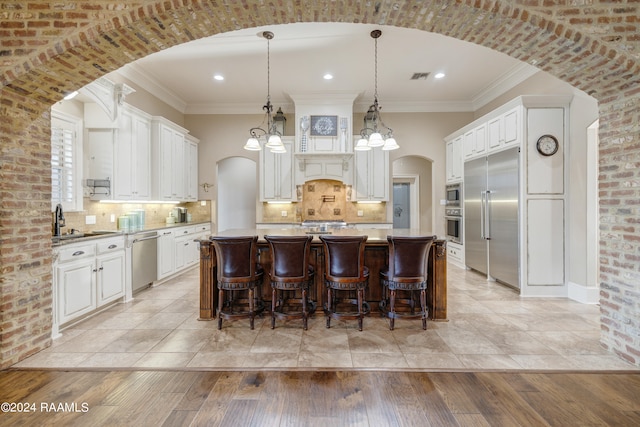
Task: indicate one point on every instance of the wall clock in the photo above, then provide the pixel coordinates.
(324, 125)
(547, 145)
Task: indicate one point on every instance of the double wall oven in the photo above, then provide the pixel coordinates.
(453, 213)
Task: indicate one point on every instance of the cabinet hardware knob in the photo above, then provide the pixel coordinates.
(78, 253)
(112, 246)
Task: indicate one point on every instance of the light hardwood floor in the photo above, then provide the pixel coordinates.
(319, 398)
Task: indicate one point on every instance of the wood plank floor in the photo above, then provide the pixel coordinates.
(318, 398)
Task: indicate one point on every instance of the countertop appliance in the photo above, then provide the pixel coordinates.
(144, 252)
(491, 220)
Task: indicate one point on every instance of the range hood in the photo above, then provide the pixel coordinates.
(310, 167)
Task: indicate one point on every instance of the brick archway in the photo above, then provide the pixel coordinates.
(48, 48)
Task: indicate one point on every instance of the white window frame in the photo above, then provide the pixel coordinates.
(72, 125)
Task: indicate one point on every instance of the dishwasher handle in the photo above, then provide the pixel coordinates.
(146, 238)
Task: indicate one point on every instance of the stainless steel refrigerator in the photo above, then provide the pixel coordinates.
(491, 239)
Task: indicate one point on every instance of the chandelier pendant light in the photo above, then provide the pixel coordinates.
(375, 133)
(274, 125)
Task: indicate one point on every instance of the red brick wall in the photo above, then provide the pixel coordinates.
(47, 48)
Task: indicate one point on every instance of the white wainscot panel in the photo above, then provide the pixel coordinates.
(545, 235)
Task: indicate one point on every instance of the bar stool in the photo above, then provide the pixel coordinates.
(345, 271)
(238, 271)
(290, 272)
(407, 272)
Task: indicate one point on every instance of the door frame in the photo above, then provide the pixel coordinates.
(414, 196)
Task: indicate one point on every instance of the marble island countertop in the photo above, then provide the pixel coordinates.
(373, 234)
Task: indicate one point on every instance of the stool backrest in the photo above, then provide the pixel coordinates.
(408, 257)
(236, 256)
(344, 256)
(289, 256)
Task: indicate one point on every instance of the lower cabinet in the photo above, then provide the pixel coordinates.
(87, 276)
(178, 248)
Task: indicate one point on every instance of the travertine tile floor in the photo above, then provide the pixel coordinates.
(490, 327)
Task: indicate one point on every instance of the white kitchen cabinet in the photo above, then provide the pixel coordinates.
(111, 267)
(183, 243)
(276, 174)
(120, 155)
(191, 168)
(455, 254)
(87, 275)
(455, 160)
(503, 131)
(76, 287)
(166, 253)
(371, 175)
(132, 175)
(168, 160)
(475, 142)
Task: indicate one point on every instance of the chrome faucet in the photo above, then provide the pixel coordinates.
(58, 220)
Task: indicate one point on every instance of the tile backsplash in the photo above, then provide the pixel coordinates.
(324, 199)
(155, 214)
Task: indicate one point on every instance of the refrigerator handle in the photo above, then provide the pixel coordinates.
(488, 215)
(482, 212)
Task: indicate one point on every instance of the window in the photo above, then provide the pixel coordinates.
(66, 161)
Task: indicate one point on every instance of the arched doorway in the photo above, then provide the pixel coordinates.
(236, 201)
(89, 45)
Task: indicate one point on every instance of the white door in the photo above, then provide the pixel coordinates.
(401, 205)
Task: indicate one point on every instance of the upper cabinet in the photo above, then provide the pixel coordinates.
(276, 174)
(119, 159)
(174, 162)
(191, 168)
(455, 161)
(503, 130)
(133, 156)
(138, 157)
(371, 181)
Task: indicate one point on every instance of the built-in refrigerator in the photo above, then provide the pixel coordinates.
(491, 193)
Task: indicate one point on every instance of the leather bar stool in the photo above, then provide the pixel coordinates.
(290, 272)
(238, 272)
(345, 271)
(406, 272)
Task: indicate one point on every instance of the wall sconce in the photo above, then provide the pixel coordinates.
(206, 186)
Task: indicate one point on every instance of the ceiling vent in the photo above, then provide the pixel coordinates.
(420, 76)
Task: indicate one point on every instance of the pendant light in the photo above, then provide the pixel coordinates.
(375, 133)
(275, 125)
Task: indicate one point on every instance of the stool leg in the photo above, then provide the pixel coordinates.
(274, 294)
(304, 309)
(423, 306)
(220, 303)
(392, 308)
(329, 307)
(251, 308)
(360, 312)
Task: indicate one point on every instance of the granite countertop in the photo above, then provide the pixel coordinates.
(102, 234)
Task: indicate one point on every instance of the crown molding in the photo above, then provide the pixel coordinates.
(136, 75)
(502, 84)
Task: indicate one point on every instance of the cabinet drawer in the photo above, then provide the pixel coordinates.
(203, 228)
(184, 231)
(76, 252)
(110, 245)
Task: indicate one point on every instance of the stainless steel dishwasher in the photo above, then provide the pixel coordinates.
(144, 254)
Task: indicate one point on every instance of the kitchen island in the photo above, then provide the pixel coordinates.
(376, 257)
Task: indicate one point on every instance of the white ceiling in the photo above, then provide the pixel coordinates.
(300, 54)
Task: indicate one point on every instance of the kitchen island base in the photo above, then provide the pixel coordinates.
(376, 257)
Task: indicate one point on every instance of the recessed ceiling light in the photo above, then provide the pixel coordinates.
(218, 77)
(439, 75)
(328, 76)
